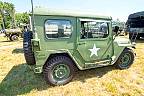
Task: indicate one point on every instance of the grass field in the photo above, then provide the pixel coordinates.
(16, 78)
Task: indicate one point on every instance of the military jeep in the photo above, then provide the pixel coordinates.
(64, 41)
(13, 34)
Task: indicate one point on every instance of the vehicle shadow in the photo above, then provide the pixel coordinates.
(21, 80)
(96, 72)
(5, 41)
(17, 50)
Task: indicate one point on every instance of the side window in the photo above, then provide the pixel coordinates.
(58, 28)
(94, 29)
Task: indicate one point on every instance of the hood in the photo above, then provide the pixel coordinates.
(123, 41)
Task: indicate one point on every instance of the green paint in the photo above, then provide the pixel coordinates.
(61, 72)
(87, 52)
(125, 60)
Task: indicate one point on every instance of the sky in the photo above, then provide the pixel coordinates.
(116, 8)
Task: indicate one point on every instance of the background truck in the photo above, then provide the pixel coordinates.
(135, 25)
(13, 34)
(16, 33)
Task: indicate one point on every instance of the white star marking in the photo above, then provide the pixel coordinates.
(94, 51)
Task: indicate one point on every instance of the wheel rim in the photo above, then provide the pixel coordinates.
(61, 72)
(125, 60)
(15, 37)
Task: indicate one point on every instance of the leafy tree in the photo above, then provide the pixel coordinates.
(2, 14)
(22, 18)
(10, 9)
(0, 22)
(118, 23)
(7, 11)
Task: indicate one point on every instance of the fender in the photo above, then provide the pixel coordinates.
(120, 44)
(43, 56)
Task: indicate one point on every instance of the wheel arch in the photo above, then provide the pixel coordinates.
(129, 61)
(63, 54)
(15, 34)
(125, 48)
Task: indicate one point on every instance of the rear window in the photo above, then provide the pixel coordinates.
(58, 28)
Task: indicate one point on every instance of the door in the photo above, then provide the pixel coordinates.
(59, 33)
(95, 39)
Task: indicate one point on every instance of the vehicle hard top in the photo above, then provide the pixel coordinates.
(69, 13)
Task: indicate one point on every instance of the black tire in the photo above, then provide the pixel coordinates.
(128, 55)
(130, 36)
(133, 37)
(51, 74)
(22, 35)
(14, 37)
(27, 47)
(138, 37)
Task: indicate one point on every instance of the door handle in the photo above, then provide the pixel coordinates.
(82, 43)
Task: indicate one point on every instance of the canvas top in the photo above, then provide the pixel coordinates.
(69, 13)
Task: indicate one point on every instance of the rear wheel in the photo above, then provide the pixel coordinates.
(59, 70)
(125, 60)
(14, 37)
(138, 37)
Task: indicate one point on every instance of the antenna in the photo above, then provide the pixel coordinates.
(33, 22)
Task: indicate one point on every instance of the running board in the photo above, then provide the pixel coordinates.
(98, 64)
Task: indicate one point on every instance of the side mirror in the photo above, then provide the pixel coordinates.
(115, 30)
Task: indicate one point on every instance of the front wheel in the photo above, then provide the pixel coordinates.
(125, 60)
(59, 70)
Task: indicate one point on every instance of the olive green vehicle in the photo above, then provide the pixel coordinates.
(63, 42)
(13, 34)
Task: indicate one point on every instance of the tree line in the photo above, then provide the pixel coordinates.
(9, 18)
